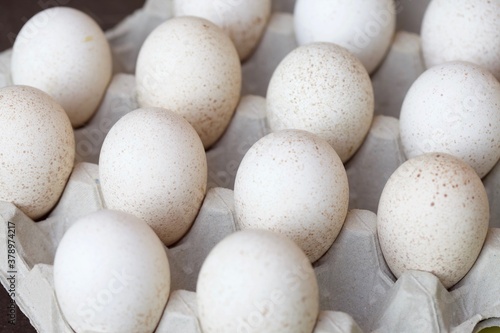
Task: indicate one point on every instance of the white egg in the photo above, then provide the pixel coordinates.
(365, 28)
(153, 165)
(37, 149)
(323, 89)
(454, 108)
(257, 281)
(462, 30)
(243, 20)
(111, 274)
(294, 183)
(190, 66)
(63, 52)
(433, 216)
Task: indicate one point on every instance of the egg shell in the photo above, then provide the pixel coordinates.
(292, 182)
(323, 89)
(433, 216)
(243, 20)
(37, 149)
(257, 281)
(454, 108)
(365, 28)
(111, 274)
(153, 165)
(64, 52)
(190, 66)
(462, 30)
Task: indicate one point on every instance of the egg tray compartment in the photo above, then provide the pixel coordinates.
(353, 277)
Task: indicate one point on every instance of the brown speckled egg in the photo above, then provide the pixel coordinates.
(37, 149)
(64, 52)
(462, 30)
(153, 165)
(244, 20)
(294, 183)
(323, 89)
(433, 216)
(257, 281)
(190, 66)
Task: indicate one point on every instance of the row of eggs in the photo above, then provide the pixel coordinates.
(433, 213)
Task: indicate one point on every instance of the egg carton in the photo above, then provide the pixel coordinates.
(357, 290)
(358, 293)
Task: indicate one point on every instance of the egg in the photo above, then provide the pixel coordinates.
(153, 165)
(323, 89)
(294, 183)
(454, 108)
(190, 66)
(257, 281)
(243, 20)
(433, 216)
(37, 149)
(462, 30)
(365, 28)
(64, 52)
(111, 274)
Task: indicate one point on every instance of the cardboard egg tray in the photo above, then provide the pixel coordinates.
(358, 293)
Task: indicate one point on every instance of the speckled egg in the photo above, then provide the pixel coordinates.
(153, 165)
(433, 216)
(243, 20)
(190, 66)
(462, 30)
(323, 89)
(37, 149)
(294, 183)
(64, 52)
(111, 274)
(365, 28)
(257, 281)
(454, 108)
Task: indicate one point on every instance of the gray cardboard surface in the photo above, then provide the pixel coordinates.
(120, 99)
(278, 40)
(410, 14)
(247, 127)
(378, 157)
(5, 78)
(283, 5)
(127, 37)
(181, 314)
(491, 181)
(401, 67)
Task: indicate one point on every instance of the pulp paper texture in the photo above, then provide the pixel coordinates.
(357, 290)
(5, 79)
(401, 67)
(410, 14)
(283, 6)
(278, 40)
(491, 182)
(128, 36)
(247, 127)
(120, 99)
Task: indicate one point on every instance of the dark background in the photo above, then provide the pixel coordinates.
(13, 14)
